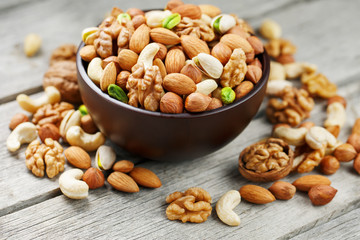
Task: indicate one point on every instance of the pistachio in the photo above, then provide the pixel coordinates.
(223, 23)
(83, 110)
(123, 17)
(209, 65)
(227, 95)
(171, 21)
(105, 157)
(206, 86)
(155, 18)
(87, 32)
(118, 93)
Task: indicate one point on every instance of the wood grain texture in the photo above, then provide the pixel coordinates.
(31, 207)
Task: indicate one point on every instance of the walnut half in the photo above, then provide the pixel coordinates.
(192, 206)
(267, 160)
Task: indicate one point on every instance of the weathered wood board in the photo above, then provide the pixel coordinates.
(31, 207)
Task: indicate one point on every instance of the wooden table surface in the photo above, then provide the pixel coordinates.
(326, 34)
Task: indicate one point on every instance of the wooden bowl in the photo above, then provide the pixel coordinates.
(169, 137)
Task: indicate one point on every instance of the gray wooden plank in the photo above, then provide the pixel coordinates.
(343, 227)
(108, 213)
(59, 22)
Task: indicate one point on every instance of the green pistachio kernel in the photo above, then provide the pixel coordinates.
(216, 24)
(171, 21)
(123, 16)
(116, 92)
(83, 110)
(87, 32)
(227, 95)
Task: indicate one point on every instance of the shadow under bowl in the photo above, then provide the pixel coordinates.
(169, 137)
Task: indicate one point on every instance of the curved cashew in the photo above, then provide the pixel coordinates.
(225, 206)
(72, 118)
(206, 86)
(275, 87)
(277, 71)
(52, 95)
(318, 137)
(147, 54)
(293, 136)
(71, 185)
(336, 115)
(95, 70)
(76, 136)
(23, 133)
(296, 69)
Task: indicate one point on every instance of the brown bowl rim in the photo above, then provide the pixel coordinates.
(260, 84)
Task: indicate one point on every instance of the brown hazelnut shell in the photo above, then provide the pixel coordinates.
(269, 176)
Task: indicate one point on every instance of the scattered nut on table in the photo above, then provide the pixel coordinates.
(225, 206)
(23, 133)
(72, 186)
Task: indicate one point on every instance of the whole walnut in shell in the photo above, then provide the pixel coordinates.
(63, 76)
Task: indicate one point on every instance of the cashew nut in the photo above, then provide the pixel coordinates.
(206, 87)
(275, 87)
(72, 118)
(277, 71)
(23, 133)
(336, 115)
(293, 136)
(147, 54)
(71, 185)
(76, 136)
(95, 70)
(296, 69)
(52, 95)
(318, 137)
(225, 206)
(155, 18)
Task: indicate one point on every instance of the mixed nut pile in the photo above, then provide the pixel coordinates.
(161, 60)
(186, 58)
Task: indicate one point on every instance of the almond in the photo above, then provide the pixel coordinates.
(192, 72)
(140, 38)
(354, 140)
(179, 84)
(17, 119)
(197, 102)
(138, 20)
(304, 183)
(127, 59)
(193, 46)
(356, 164)
(49, 130)
(321, 194)
(243, 89)
(161, 66)
(356, 127)
(171, 103)
(175, 61)
(239, 31)
(285, 58)
(145, 177)
(123, 166)
(94, 178)
(282, 190)
(235, 41)
(256, 194)
(214, 104)
(135, 12)
(164, 36)
(345, 152)
(88, 125)
(253, 73)
(108, 76)
(221, 52)
(88, 53)
(122, 182)
(188, 10)
(173, 4)
(162, 52)
(77, 157)
(210, 10)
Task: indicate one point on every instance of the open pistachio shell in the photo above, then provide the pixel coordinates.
(209, 65)
(105, 157)
(223, 23)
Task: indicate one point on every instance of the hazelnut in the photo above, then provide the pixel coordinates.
(171, 103)
(222, 52)
(256, 62)
(135, 12)
(94, 178)
(321, 194)
(17, 119)
(110, 59)
(138, 20)
(215, 103)
(192, 72)
(253, 73)
(197, 102)
(49, 130)
(354, 140)
(88, 125)
(356, 164)
(285, 58)
(282, 190)
(256, 44)
(345, 152)
(162, 52)
(329, 165)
